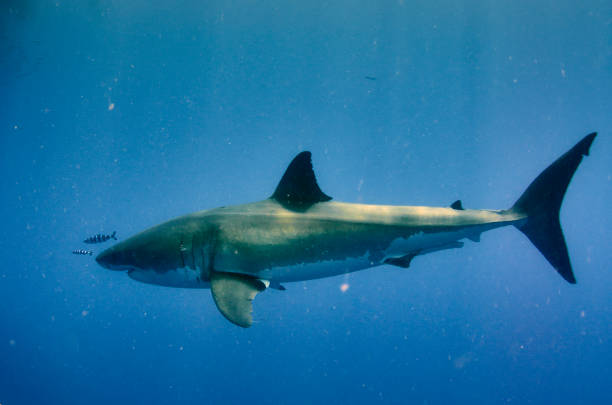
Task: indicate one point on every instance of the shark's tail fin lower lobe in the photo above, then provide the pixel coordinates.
(541, 203)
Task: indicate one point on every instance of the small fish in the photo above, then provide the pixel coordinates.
(370, 78)
(82, 252)
(99, 238)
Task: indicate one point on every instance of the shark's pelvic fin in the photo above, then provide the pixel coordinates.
(541, 203)
(298, 189)
(234, 294)
(405, 260)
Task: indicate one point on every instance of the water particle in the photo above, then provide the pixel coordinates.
(344, 287)
(12, 342)
(84, 312)
(111, 106)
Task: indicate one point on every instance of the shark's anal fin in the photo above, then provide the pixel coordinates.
(298, 189)
(457, 205)
(233, 294)
(403, 262)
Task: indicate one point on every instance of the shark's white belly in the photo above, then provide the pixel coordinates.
(313, 270)
(420, 244)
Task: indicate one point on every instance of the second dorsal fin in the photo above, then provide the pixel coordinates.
(457, 205)
(298, 189)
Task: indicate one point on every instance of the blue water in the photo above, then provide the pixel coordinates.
(119, 115)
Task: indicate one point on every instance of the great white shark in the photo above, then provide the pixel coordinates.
(300, 234)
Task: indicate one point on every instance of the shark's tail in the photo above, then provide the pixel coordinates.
(541, 203)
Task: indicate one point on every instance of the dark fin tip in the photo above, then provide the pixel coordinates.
(584, 146)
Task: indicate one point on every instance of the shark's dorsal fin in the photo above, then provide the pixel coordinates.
(298, 189)
(457, 205)
(233, 294)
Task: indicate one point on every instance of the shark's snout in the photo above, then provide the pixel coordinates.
(111, 259)
(104, 259)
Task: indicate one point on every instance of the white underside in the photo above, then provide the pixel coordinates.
(423, 243)
(309, 271)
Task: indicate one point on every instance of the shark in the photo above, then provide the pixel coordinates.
(299, 233)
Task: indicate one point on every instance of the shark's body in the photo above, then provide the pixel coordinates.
(299, 234)
(270, 242)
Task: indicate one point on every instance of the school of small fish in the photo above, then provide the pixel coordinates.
(98, 238)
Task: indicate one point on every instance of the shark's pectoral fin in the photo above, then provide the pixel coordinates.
(233, 294)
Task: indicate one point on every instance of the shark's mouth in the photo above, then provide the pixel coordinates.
(119, 267)
(181, 278)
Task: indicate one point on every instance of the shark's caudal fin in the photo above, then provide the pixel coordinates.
(541, 203)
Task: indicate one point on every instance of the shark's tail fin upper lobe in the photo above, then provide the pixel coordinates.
(541, 203)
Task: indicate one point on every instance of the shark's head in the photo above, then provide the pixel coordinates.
(154, 249)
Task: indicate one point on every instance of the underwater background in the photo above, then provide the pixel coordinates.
(118, 115)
